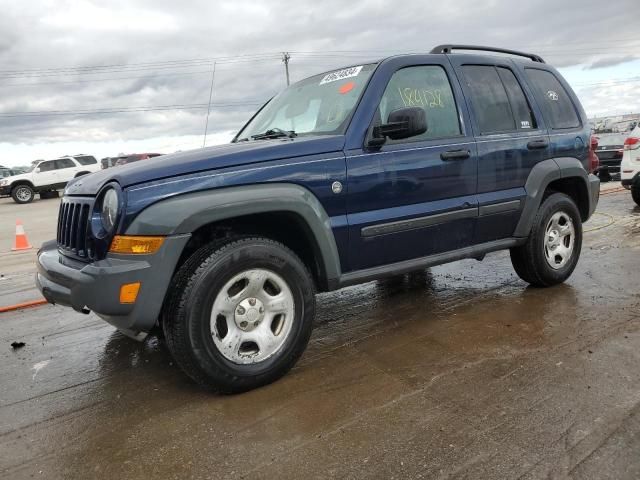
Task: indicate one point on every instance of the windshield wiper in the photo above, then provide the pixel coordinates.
(274, 133)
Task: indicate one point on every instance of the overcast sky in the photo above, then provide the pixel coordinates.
(159, 53)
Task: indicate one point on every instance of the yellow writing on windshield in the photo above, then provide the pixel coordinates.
(415, 97)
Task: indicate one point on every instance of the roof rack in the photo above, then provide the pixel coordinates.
(450, 48)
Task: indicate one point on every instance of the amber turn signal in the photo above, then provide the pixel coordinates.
(129, 292)
(135, 245)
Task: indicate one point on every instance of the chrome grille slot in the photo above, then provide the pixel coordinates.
(73, 226)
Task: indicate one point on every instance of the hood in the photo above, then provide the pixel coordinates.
(13, 178)
(205, 159)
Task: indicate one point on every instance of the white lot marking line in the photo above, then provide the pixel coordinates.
(39, 366)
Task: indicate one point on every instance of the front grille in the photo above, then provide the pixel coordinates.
(73, 227)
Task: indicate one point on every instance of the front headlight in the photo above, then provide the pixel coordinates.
(109, 211)
(4, 183)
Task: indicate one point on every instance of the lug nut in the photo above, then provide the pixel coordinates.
(240, 310)
(261, 309)
(252, 301)
(243, 324)
(256, 323)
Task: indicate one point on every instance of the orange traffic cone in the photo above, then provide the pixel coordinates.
(21, 242)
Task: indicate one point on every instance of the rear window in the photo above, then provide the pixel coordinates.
(86, 160)
(557, 107)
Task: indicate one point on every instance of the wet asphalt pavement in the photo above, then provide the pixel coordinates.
(461, 371)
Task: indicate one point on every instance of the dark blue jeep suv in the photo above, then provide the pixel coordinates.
(352, 175)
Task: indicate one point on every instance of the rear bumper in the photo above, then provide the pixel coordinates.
(96, 286)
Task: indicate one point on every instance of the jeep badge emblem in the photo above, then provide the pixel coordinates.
(336, 187)
(552, 95)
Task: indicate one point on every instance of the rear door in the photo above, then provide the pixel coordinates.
(511, 139)
(67, 170)
(415, 197)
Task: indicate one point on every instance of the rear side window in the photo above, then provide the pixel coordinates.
(86, 160)
(426, 87)
(519, 105)
(47, 166)
(64, 163)
(489, 99)
(557, 107)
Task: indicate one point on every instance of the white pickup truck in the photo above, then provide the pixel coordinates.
(46, 176)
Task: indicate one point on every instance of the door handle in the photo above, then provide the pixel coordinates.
(537, 144)
(455, 154)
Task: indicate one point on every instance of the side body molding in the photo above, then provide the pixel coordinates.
(540, 177)
(186, 213)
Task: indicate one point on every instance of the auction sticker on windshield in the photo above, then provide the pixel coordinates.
(341, 75)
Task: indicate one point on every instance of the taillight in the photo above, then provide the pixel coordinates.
(632, 143)
(594, 161)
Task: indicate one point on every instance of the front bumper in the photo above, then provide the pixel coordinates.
(5, 191)
(96, 286)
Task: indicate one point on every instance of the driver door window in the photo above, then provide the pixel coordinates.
(426, 87)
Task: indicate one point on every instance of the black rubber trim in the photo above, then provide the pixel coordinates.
(369, 274)
(501, 207)
(415, 223)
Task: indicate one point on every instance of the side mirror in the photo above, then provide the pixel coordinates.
(402, 123)
(38, 170)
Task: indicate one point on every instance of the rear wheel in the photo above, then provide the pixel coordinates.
(240, 314)
(635, 194)
(552, 250)
(22, 194)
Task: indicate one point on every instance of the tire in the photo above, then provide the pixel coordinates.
(22, 194)
(544, 262)
(209, 344)
(635, 194)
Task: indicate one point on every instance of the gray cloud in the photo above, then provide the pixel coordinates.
(611, 62)
(50, 35)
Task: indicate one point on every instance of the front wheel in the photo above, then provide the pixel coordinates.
(635, 194)
(553, 247)
(240, 314)
(22, 194)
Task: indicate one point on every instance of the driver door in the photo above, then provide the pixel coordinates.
(414, 197)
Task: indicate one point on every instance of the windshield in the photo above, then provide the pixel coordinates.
(317, 105)
(31, 168)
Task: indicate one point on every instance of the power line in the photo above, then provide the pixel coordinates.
(196, 106)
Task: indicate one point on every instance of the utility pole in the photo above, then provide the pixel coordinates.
(285, 60)
(206, 123)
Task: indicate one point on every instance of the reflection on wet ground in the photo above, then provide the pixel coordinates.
(461, 370)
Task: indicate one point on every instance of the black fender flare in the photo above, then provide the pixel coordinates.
(186, 213)
(545, 172)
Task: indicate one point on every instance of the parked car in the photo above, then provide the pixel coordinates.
(46, 176)
(631, 164)
(609, 151)
(345, 177)
(135, 157)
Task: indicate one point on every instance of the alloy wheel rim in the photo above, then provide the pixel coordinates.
(252, 316)
(559, 240)
(23, 194)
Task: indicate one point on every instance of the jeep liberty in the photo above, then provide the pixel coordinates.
(365, 172)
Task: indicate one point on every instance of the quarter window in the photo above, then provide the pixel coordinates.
(557, 107)
(426, 87)
(86, 160)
